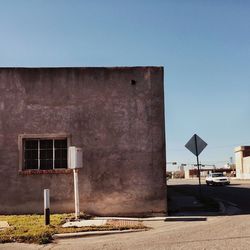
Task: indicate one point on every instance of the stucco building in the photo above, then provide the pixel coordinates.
(116, 115)
(242, 161)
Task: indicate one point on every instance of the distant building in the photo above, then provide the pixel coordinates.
(116, 115)
(204, 171)
(242, 161)
(182, 168)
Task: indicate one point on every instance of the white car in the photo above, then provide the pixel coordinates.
(217, 179)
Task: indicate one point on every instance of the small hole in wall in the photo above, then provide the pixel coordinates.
(133, 82)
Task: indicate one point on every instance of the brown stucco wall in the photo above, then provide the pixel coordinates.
(120, 127)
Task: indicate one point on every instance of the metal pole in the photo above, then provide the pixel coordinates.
(46, 207)
(76, 190)
(198, 165)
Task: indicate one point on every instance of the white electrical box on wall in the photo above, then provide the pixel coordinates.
(74, 157)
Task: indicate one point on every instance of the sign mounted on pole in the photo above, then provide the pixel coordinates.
(75, 163)
(196, 145)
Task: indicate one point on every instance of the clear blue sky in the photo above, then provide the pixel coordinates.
(203, 45)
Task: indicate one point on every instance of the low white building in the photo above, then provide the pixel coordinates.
(242, 161)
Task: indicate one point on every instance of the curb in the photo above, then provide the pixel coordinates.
(132, 219)
(222, 208)
(94, 233)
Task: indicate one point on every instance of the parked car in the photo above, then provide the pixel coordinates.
(217, 179)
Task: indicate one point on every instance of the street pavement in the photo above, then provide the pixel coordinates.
(236, 195)
(210, 232)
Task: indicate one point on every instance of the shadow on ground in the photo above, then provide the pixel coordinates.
(184, 199)
(182, 219)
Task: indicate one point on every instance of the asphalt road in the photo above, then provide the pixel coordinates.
(237, 194)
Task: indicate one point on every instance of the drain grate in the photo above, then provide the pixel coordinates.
(125, 223)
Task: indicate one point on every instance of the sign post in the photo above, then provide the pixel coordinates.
(76, 191)
(196, 146)
(75, 162)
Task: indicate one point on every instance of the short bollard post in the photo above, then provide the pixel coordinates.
(46, 207)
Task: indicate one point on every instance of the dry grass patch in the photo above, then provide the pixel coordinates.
(31, 228)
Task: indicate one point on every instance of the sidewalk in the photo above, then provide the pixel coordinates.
(182, 205)
(235, 180)
(118, 225)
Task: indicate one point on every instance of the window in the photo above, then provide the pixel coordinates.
(45, 152)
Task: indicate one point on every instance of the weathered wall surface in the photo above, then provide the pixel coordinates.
(242, 161)
(120, 127)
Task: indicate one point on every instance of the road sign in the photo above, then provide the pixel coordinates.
(196, 145)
